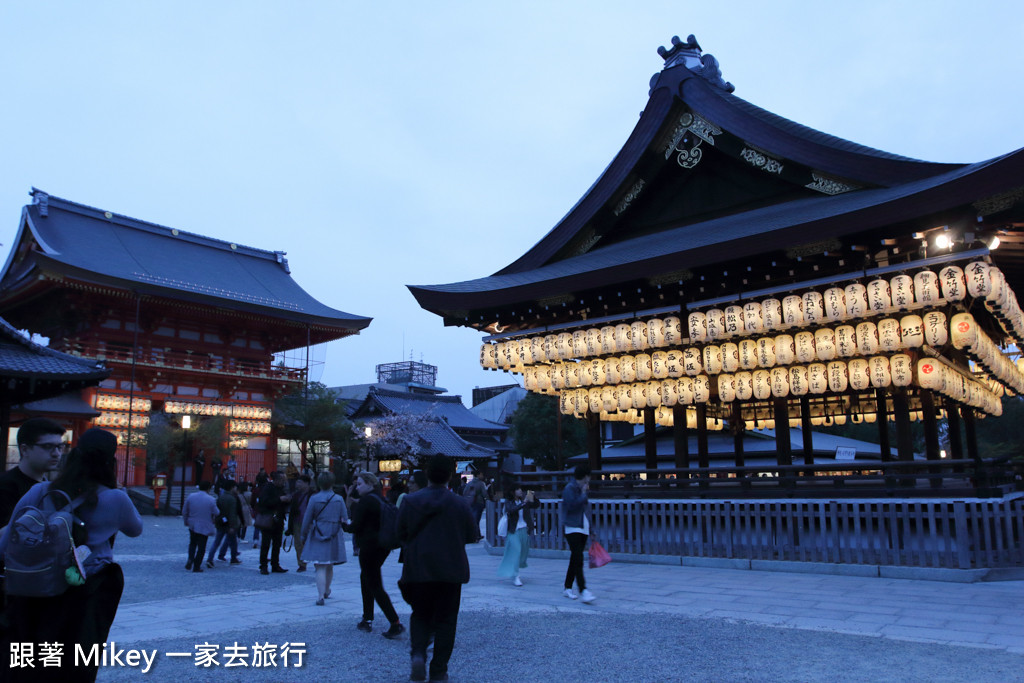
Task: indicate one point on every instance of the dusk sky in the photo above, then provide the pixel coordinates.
(384, 144)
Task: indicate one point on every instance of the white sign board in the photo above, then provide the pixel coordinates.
(846, 453)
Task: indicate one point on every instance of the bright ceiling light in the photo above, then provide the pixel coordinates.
(942, 241)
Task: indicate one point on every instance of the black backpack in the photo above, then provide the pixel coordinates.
(41, 548)
(387, 536)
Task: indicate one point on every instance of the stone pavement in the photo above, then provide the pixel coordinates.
(980, 615)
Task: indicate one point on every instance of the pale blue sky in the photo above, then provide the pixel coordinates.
(385, 144)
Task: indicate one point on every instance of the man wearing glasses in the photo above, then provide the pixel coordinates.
(40, 445)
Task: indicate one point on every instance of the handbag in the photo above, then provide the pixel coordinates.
(503, 526)
(599, 557)
(264, 521)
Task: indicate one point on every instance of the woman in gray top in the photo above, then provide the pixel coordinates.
(324, 543)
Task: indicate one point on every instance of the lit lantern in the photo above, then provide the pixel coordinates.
(564, 345)
(659, 364)
(881, 376)
(733, 321)
(902, 289)
(798, 380)
(762, 384)
(674, 363)
(608, 339)
(785, 349)
(638, 335)
(544, 373)
(744, 385)
(638, 391)
(537, 354)
(504, 355)
(817, 378)
(551, 347)
(780, 382)
(715, 322)
(598, 374)
(879, 297)
(669, 392)
(979, 281)
(559, 376)
(624, 396)
(766, 352)
(793, 311)
(582, 369)
(594, 402)
(963, 330)
(627, 369)
(748, 354)
(692, 361)
(673, 331)
(730, 357)
(929, 374)
(814, 307)
(726, 388)
(753, 320)
(860, 374)
(613, 370)
(579, 344)
(573, 376)
(712, 357)
(998, 292)
(489, 356)
(835, 304)
(656, 333)
(838, 379)
(889, 335)
(567, 402)
(623, 338)
(825, 344)
(593, 338)
(653, 394)
(771, 315)
(952, 283)
(867, 338)
(701, 389)
(856, 300)
(926, 287)
(697, 324)
(685, 388)
(846, 341)
(608, 402)
(644, 371)
(900, 367)
(911, 331)
(804, 346)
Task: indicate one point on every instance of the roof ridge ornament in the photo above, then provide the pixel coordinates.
(42, 200)
(691, 55)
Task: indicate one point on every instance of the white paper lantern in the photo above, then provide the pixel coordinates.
(656, 333)
(551, 348)
(753, 320)
(814, 307)
(889, 335)
(544, 373)
(715, 322)
(929, 374)
(594, 401)
(911, 331)
(596, 369)
(613, 370)
(538, 350)
(953, 283)
(701, 389)
(692, 361)
(567, 402)
(856, 300)
(999, 291)
(879, 297)
(902, 291)
(835, 304)
(846, 341)
(793, 311)
(488, 356)
(748, 354)
(726, 388)
(685, 387)
(559, 376)
(627, 369)
(804, 346)
(867, 338)
(530, 379)
(733, 321)
(780, 382)
(608, 403)
(564, 345)
(730, 357)
(963, 330)
(926, 287)
(798, 380)
(881, 377)
(674, 363)
(639, 394)
(608, 339)
(762, 384)
(697, 325)
(579, 344)
(669, 392)
(979, 282)
(624, 396)
(623, 338)
(644, 370)
(785, 349)
(817, 378)
(593, 337)
(771, 315)
(900, 368)
(766, 352)
(659, 364)
(582, 371)
(825, 344)
(838, 379)
(638, 335)
(673, 331)
(712, 357)
(860, 374)
(653, 393)
(744, 386)
(523, 355)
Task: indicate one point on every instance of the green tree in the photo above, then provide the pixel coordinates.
(316, 417)
(534, 430)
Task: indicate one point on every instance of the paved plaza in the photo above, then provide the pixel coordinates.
(649, 623)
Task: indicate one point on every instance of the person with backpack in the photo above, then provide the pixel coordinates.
(323, 542)
(373, 526)
(475, 494)
(81, 612)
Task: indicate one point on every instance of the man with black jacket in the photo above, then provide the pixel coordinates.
(434, 527)
(273, 500)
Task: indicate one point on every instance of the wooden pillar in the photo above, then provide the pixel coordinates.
(702, 436)
(806, 430)
(593, 441)
(650, 440)
(737, 433)
(904, 442)
(931, 437)
(882, 416)
(783, 443)
(680, 437)
(956, 446)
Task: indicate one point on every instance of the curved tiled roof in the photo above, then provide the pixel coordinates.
(450, 409)
(21, 357)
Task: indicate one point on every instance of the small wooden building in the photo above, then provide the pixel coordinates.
(732, 269)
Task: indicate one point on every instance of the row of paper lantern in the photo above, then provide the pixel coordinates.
(248, 427)
(836, 304)
(138, 421)
(979, 346)
(236, 443)
(121, 402)
(1001, 301)
(665, 417)
(217, 409)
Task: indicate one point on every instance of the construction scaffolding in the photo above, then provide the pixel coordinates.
(407, 372)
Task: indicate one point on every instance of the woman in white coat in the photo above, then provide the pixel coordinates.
(324, 543)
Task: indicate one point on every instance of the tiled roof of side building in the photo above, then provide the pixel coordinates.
(439, 437)
(448, 408)
(21, 357)
(101, 246)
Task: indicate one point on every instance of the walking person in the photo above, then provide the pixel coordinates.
(519, 513)
(475, 493)
(365, 527)
(296, 512)
(323, 540)
(434, 527)
(199, 515)
(575, 513)
(229, 519)
(81, 616)
(272, 506)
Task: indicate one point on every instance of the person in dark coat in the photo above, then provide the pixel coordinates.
(434, 527)
(274, 501)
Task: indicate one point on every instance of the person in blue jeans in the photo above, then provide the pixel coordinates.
(229, 519)
(575, 512)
